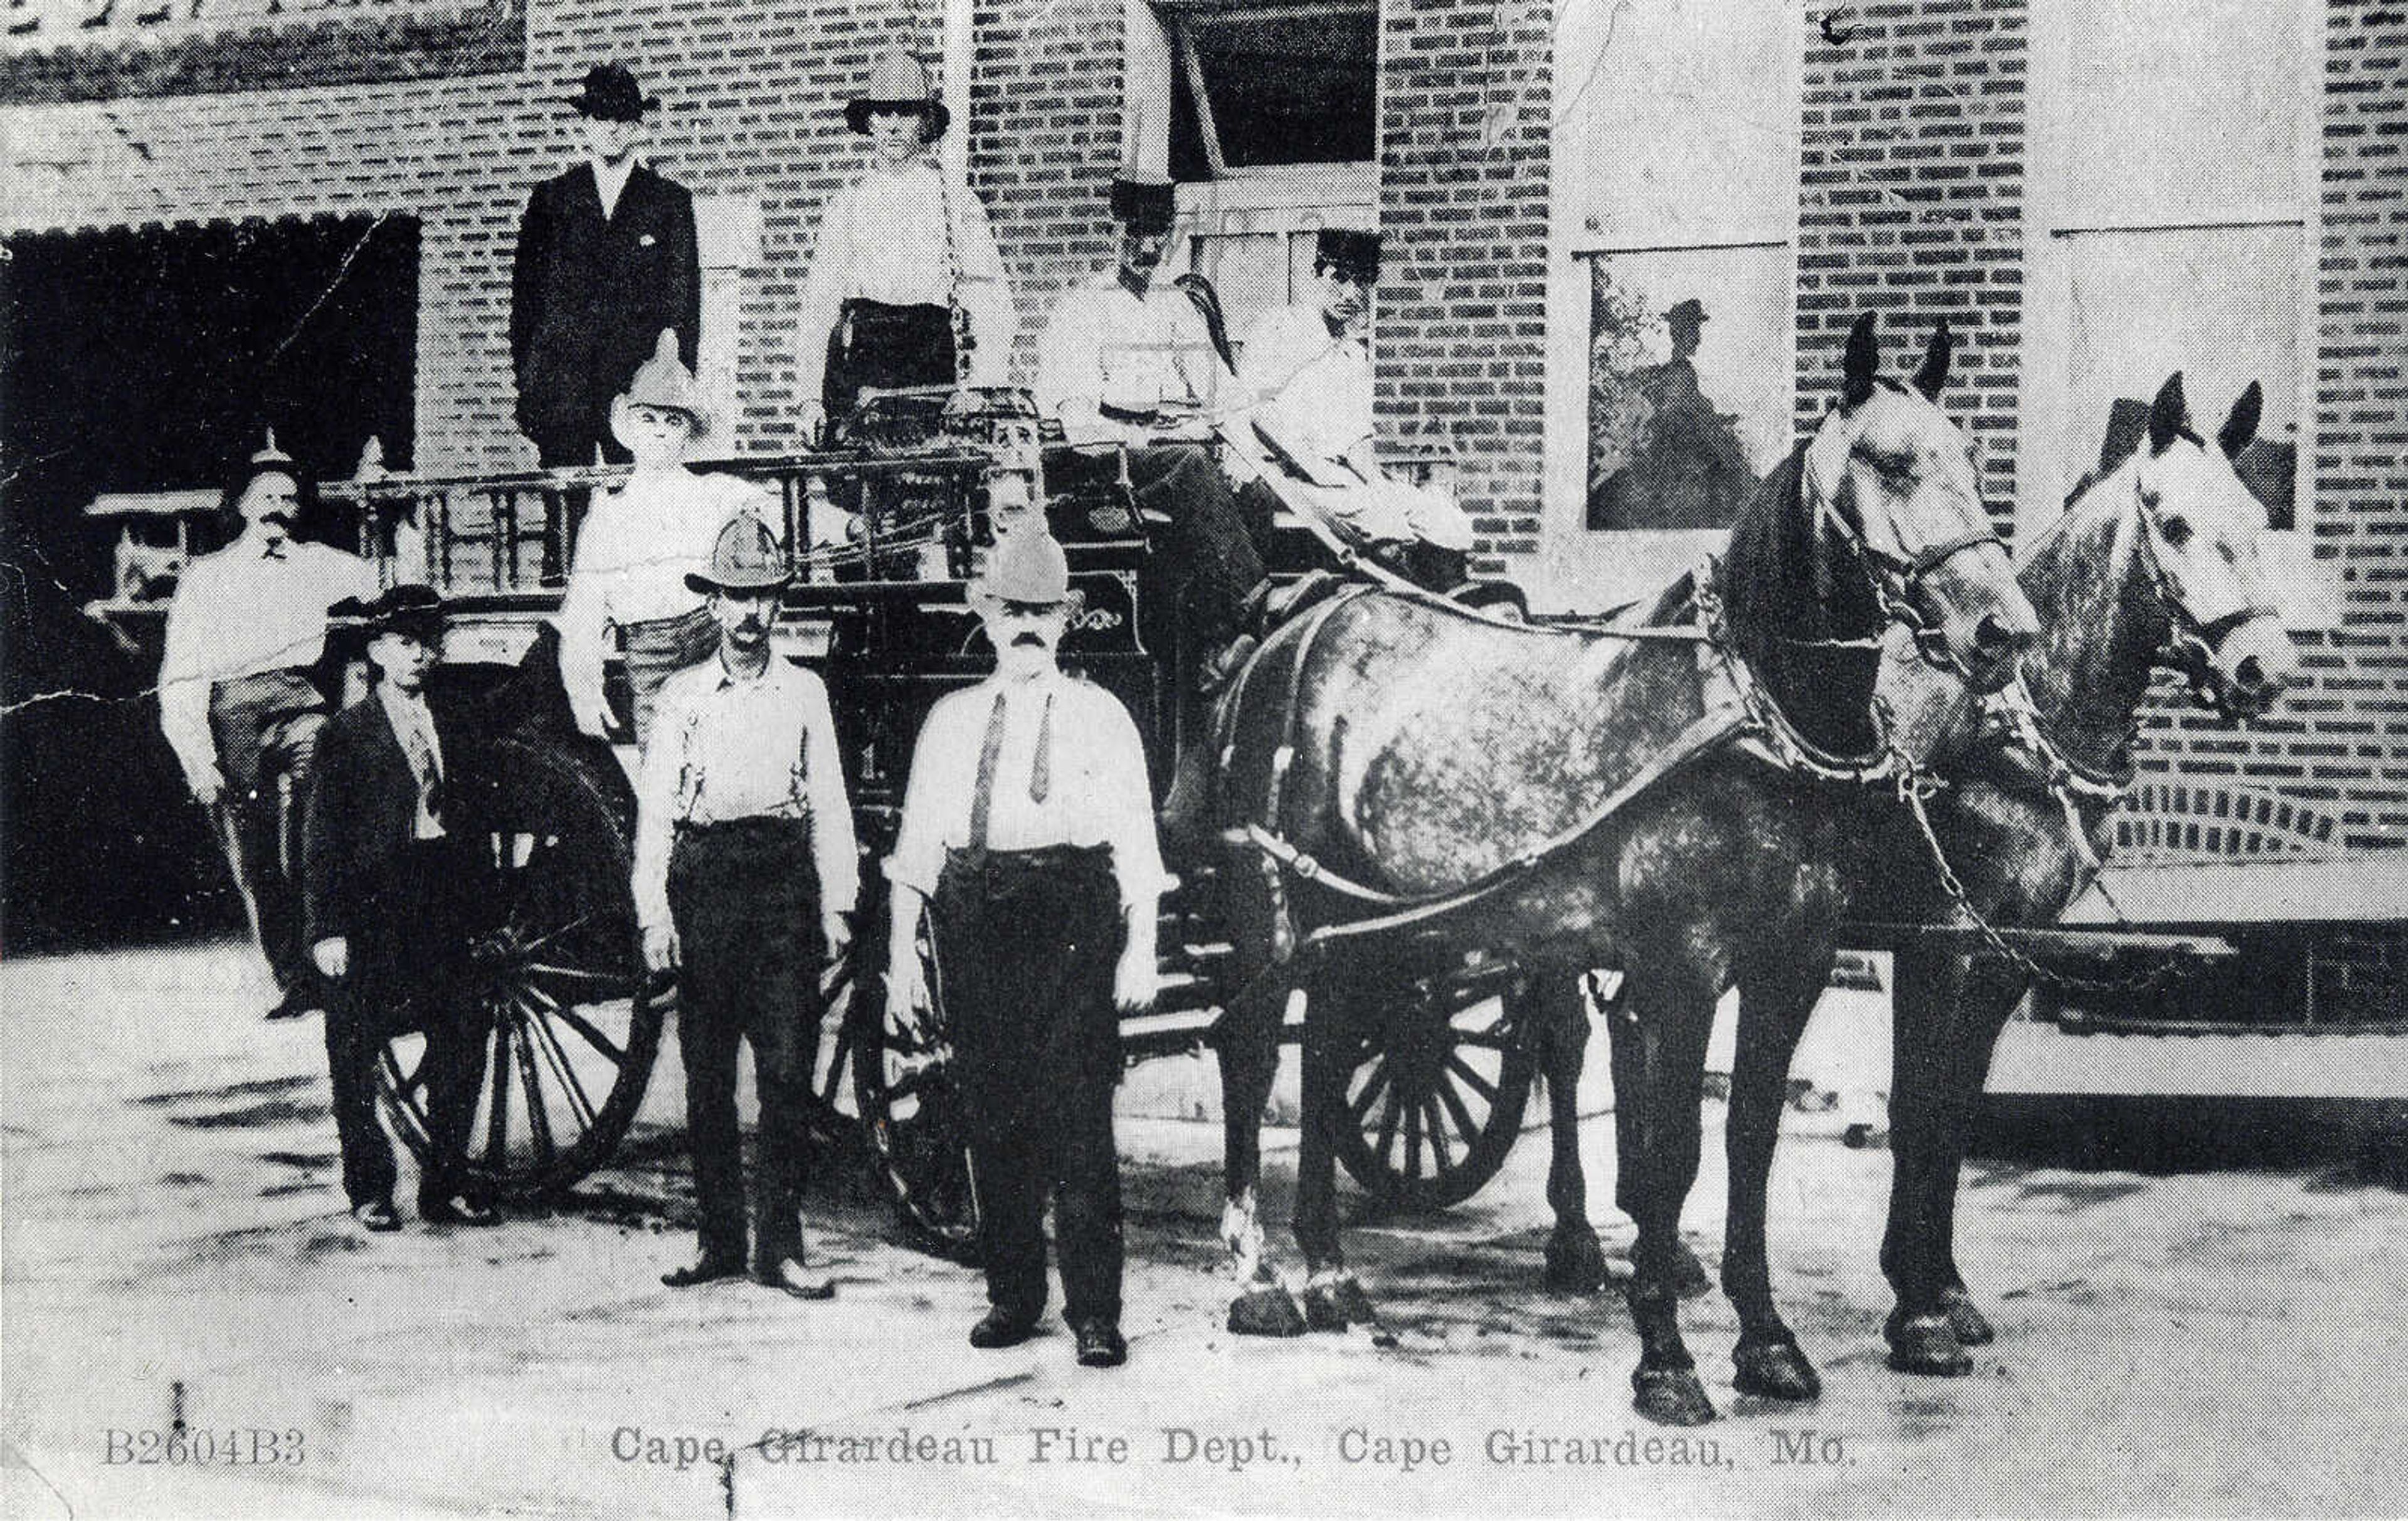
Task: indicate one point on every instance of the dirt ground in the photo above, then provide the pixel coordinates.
(2208, 1342)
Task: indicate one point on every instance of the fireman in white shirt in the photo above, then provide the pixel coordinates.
(1027, 836)
(906, 287)
(238, 705)
(745, 872)
(641, 543)
(1308, 369)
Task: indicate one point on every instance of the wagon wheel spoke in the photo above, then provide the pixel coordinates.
(1450, 1097)
(573, 974)
(1442, 1153)
(591, 1032)
(497, 1120)
(1388, 1117)
(1369, 1095)
(538, 1113)
(1471, 1075)
(563, 1073)
(1412, 1138)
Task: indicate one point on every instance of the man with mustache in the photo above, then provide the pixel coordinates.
(1308, 369)
(239, 705)
(1130, 360)
(1027, 838)
(906, 287)
(745, 871)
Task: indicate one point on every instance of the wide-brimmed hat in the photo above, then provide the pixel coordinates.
(1027, 565)
(663, 381)
(898, 82)
(410, 607)
(1689, 309)
(1347, 249)
(1144, 206)
(611, 94)
(746, 557)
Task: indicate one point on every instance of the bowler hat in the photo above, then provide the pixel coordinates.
(1689, 309)
(898, 83)
(663, 381)
(410, 607)
(1144, 206)
(611, 94)
(1027, 566)
(1344, 248)
(746, 557)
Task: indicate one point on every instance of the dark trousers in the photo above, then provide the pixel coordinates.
(409, 970)
(570, 442)
(1026, 943)
(745, 898)
(1207, 563)
(266, 729)
(888, 347)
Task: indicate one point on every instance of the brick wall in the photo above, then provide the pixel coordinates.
(2357, 749)
(1463, 204)
(1911, 203)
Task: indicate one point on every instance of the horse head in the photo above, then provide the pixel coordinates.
(1892, 480)
(2195, 526)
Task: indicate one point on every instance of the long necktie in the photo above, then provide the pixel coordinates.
(1040, 773)
(422, 762)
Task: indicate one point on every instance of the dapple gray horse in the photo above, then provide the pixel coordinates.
(1411, 748)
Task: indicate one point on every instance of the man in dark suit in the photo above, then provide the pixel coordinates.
(386, 887)
(606, 260)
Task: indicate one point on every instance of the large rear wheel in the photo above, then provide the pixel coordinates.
(566, 1015)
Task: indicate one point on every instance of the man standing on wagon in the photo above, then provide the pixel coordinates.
(745, 871)
(906, 287)
(1028, 835)
(241, 707)
(639, 546)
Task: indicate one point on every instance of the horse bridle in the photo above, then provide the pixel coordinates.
(1897, 577)
(2190, 645)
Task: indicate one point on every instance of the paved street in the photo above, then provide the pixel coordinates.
(176, 1244)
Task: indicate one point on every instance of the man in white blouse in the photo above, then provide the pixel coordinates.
(639, 546)
(906, 287)
(238, 704)
(1027, 838)
(745, 872)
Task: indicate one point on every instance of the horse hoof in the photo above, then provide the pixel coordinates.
(1690, 1279)
(1925, 1344)
(1337, 1304)
(1671, 1396)
(1971, 1326)
(1266, 1311)
(1575, 1262)
(1776, 1370)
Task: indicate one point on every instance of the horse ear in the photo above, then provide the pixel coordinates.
(1933, 373)
(1862, 363)
(2241, 425)
(2168, 415)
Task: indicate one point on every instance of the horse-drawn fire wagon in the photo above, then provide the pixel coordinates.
(885, 533)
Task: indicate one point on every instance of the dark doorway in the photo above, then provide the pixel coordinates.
(147, 360)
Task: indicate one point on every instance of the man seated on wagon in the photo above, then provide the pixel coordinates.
(1306, 368)
(238, 702)
(1129, 360)
(641, 545)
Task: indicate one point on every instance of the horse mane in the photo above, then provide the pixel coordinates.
(1786, 583)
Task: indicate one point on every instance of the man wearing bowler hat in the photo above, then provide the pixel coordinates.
(606, 260)
(240, 704)
(745, 871)
(387, 888)
(1027, 838)
(1307, 369)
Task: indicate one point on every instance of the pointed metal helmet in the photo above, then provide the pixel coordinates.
(746, 557)
(663, 381)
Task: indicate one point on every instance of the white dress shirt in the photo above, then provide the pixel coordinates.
(238, 612)
(414, 726)
(1095, 792)
(885, 238)
(727, 746)
(633, 553)
(609, 182)
(1104, 346)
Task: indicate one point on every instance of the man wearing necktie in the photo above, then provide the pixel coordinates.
(240, 704)
(386, 891)
(745, 873)
(1028, 837)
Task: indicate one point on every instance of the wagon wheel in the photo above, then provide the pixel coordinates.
(568, 1021)
(1441, 1077)
(903, 1082)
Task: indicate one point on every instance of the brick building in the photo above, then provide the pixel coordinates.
(2092, 195)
